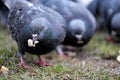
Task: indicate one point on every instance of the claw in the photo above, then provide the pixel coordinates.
(22, 63)
(63, 56)
(60, 52)
(41, 62)
(109, 39)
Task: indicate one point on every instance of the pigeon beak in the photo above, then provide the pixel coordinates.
(32, 42)
(35, 39)
(79, 36)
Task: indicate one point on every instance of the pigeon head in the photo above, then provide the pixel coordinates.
(39, 27)
(77, 28)
(115, 24)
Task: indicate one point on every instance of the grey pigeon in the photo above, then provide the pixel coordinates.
(36, 29)
(107, 11)
(115, 27)
(92, 5)
(81, 24)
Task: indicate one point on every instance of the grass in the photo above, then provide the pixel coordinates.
(98, 64)
(98, 45)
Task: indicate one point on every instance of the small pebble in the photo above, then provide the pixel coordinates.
(118, 58)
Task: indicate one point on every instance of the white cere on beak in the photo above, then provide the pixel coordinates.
(78, 36)
(34, 35)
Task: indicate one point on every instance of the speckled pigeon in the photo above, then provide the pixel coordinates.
(81, 24)
(36, 29)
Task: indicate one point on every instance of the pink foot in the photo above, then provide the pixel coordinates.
(60, 52)
(41, 62)
(63, 56)
(109, 39)
(24, 65)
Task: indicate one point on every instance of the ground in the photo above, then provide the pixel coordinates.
(97, 61)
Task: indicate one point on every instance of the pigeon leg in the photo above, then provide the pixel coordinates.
(41, 62)
(22, 63)
(60, 52)
(109, 39)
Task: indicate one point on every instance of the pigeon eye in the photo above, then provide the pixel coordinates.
(78, 33)
(42, 27)
(20, 9)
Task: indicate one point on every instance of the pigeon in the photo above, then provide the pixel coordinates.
(36, 29)
(107, 11)
(3, 14)
(81, 24)
(91, 5)
(115, 27)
